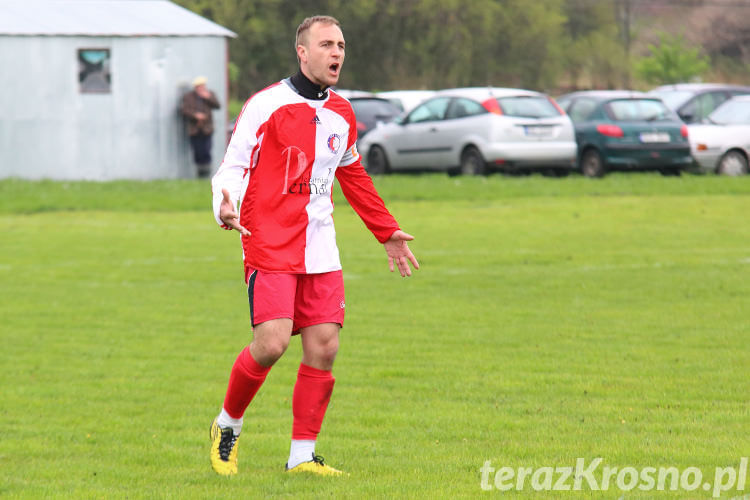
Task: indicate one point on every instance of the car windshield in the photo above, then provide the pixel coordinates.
(635, 110)
(673, 98)
(731, 113)
(528, 106)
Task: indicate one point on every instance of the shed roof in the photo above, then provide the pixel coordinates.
(103, 18)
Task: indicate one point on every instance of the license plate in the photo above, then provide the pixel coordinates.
(651, 137)
(537, 131)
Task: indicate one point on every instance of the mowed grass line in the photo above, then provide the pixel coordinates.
(541, 328)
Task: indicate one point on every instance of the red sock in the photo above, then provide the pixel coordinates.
(244, 381)
(312, 392)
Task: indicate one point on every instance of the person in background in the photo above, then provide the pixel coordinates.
(197, 106)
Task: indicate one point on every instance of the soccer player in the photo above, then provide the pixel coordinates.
(290, 142)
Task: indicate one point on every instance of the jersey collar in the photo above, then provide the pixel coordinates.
(307, 89)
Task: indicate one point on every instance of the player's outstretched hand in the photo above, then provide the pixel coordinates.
(228, 214)
(399, 253)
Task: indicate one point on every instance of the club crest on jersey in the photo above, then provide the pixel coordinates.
(334, 142)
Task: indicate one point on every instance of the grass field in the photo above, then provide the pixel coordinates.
(552, 319)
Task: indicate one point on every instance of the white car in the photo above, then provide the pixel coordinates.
(695, 101)
(349, 93)
(406, 99)
(722, 143)
(473, 130)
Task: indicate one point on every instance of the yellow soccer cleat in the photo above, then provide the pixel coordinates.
(223, 450)
(315, 466)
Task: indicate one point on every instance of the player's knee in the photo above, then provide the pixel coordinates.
(269, 351)
(276, 349)
(326, 352)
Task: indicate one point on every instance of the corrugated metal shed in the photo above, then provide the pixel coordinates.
(129, 126)
(104, 18)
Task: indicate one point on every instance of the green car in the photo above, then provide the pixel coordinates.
(626, 130)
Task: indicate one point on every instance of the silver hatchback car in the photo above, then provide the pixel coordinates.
(474, 130)
(721, 143)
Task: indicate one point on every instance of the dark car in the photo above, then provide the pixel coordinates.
(371, 110)
(625, 130)
(695, 101)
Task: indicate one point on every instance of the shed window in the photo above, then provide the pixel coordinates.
(93, 71)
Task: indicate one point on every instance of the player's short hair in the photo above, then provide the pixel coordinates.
(305, 25)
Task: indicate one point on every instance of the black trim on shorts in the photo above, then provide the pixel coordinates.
(250, 293)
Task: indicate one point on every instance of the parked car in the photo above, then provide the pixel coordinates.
(349, 93)
(473, 130)
(372, 110)
(626, 130)
(722, 143)
(406, 99)
(695, 101)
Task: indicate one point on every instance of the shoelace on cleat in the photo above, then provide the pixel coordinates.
(226, 443)
(318, 459)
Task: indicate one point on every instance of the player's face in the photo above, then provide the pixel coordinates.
(322, 56)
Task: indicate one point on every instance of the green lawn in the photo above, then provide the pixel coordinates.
(552, 319)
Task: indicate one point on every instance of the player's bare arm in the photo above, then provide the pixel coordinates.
(228, 214)
(399, 253)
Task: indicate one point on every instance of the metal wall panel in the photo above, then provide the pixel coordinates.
(50, 130)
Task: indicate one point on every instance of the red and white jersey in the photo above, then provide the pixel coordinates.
(280, 165)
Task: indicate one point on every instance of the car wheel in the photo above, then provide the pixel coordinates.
(377, 163)
(732, 163)
(472, 162)
(592, 164)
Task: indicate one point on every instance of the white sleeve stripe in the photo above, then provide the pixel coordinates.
(350, 156)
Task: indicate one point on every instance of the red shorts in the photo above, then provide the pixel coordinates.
(306, 299)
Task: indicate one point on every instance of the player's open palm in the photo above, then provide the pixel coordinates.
(399, 253)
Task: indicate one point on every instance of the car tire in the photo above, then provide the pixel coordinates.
(592, 164)
(733, 163)
(377, 162)
(472, 162)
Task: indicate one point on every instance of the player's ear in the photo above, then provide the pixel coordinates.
(301, 53)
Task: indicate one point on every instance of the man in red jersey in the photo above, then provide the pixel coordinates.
(290, 142)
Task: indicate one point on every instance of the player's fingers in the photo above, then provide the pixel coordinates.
(404, 236)
(405, 269)
(390, 263)
(230, 220)
(237, 227)
(413, 260)
(229, 215)
(234, 223)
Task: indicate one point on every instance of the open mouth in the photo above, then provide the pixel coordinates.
(334, 68)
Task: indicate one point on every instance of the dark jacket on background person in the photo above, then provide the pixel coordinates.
(192, 103)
